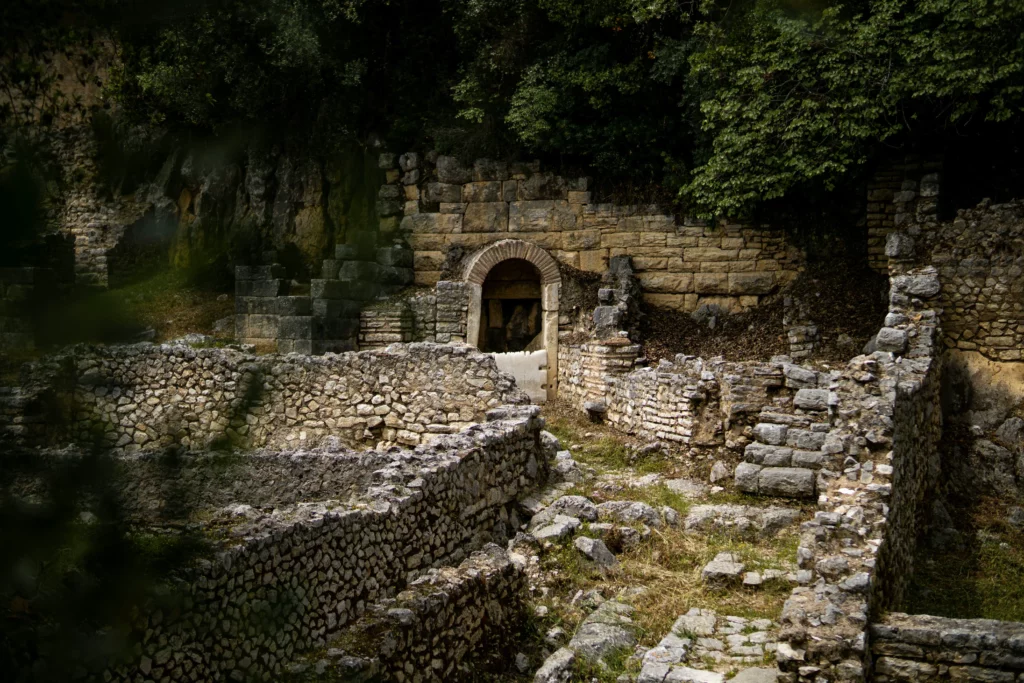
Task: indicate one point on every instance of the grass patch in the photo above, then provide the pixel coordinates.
(168, 302)
(668, 564)
(617, 662)
(984, 580)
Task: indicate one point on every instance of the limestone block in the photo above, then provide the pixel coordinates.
(679, 302)
(450, 170)
(486, 217)
(482, 192)
(581, 239)
(427, 241)
(711, 283)
(428, 260)
(786, 482)
(812, 399)
(432, 223)
(620, 239)
(435, 193)
(641, 263)
(541, 216)
(594, 260)
(751, 283)
(891, 339)
(746, 477)
(542, 186)
(668, 283)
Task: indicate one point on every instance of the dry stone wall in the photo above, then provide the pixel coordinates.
(433, 630)
(302, 573)
(879, 467)
(146, 397)
(438, 205)
(980, 258)
(900, 193)
(922, 648)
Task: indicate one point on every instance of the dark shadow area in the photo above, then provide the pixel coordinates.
(510, 313)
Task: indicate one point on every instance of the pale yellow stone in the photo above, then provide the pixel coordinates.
(581, 239)
(427, 277)
(642, 263)
(620, 239)
(427, 260)
(711, 283)
(594, 260)
(671, 283)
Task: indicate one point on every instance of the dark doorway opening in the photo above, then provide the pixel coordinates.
(510, 315)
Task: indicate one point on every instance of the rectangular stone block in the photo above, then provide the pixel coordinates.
(486, 217)
(435, 193)
(620, 239)
(786, 482)
(336, 308)
(295, 327)
(427, 278)
(594, 260)
(751, 283)
(541, 216)
(433, 223)
(666, 283)
(261, 326)
(293, 305)
(709, 254)
(426, 242)
(679, 302)
(428, 260)
(711, 283)
(482, 192)
(581, 239)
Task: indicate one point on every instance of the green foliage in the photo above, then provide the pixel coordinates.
(792, 99)
(575, 79)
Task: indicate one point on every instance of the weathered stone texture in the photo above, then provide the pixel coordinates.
(980, 280)
(679, 265)
(919, 648)
(146, 397)
(283, 582)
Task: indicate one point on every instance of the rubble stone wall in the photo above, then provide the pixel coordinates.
(146, 397)
(297, 580)
(879, 464)
(921, 648)
(438, 205)
(900, 193)
(446, 618)
(980, 258)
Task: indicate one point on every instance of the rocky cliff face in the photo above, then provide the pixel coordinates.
(135, 197)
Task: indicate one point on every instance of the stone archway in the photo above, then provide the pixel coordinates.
(477, 269)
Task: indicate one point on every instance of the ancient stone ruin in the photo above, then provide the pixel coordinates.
(372, 468)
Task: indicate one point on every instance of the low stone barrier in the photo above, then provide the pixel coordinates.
(435, 630)
(144, 397)
(302, 573)
(919, 648)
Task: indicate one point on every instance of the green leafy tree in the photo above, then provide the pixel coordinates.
(792, 99)
(579, 80)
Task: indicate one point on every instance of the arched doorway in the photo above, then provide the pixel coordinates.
(518, 284)
(510, 310)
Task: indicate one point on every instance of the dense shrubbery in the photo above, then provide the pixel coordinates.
(725, 104)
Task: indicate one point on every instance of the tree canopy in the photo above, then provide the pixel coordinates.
(724, 104)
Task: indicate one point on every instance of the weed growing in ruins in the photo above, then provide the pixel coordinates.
(616, 663)
(982, 579)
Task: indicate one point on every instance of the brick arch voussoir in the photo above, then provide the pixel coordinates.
(504, 250)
